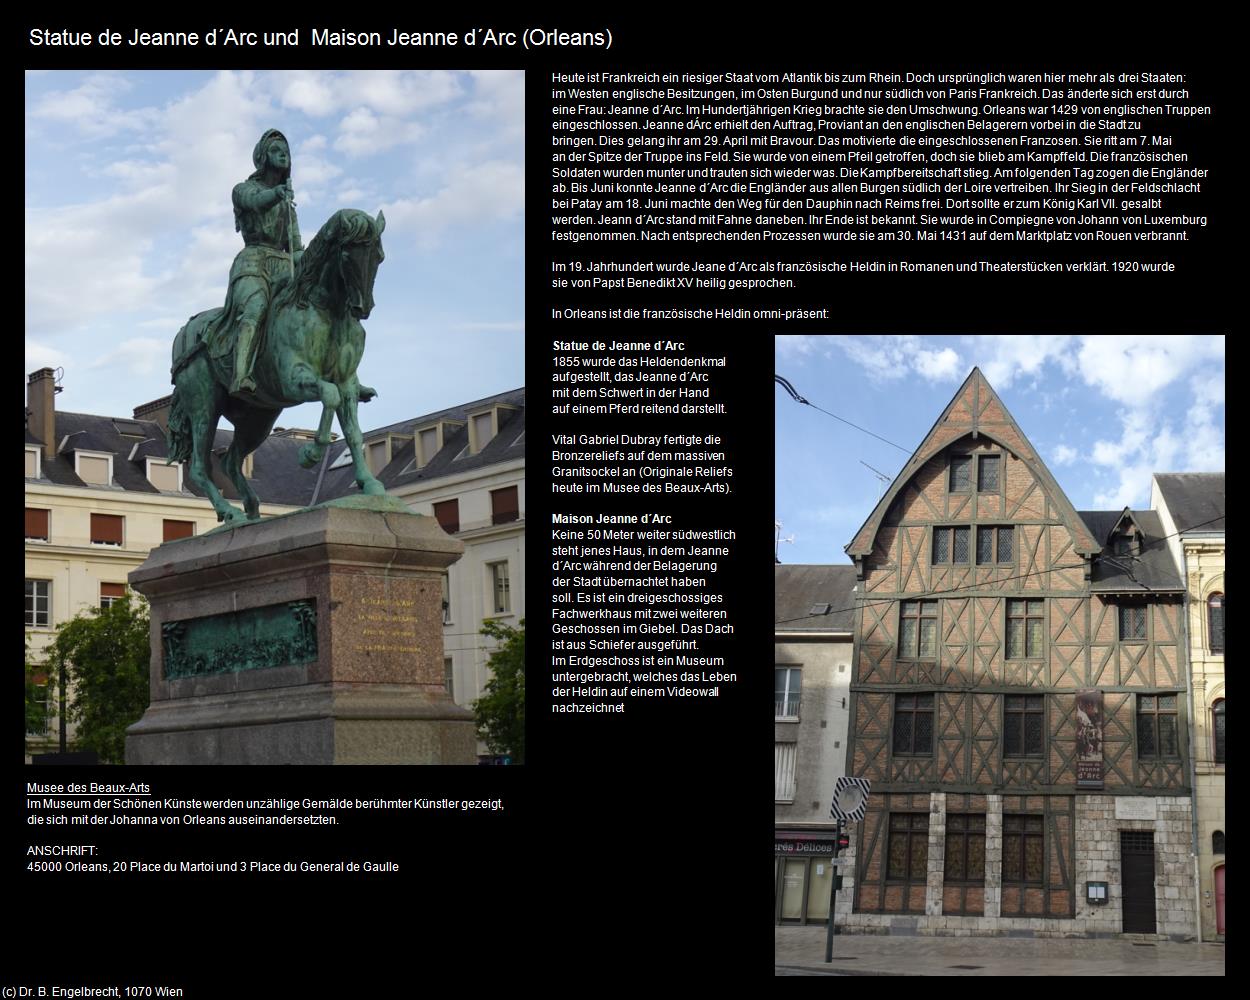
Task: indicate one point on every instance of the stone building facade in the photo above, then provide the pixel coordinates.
(1019, 701)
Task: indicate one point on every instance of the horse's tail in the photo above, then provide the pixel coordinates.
(178, 431)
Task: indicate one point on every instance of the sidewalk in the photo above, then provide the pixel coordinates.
(881, 955)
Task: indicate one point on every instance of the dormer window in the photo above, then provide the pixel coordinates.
(166, 478)
(431, 439)
(33, 464)
(94, 467)
(483, 426)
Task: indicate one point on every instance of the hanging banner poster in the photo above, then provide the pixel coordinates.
(1089, 739)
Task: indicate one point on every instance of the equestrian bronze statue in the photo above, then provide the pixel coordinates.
(289, 333)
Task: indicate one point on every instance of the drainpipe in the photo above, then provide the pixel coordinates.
(1193, 765)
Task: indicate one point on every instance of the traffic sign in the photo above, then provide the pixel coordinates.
(850, 799)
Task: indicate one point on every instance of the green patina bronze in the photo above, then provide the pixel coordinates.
(278, 635)
(289, 333)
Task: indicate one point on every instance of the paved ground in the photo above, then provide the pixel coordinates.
(801, 951)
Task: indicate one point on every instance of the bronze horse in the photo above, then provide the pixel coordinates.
(312, 343)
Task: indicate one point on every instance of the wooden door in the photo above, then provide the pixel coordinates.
(1137, 865)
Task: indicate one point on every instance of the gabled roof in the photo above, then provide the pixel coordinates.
(1194, 499)
(799, 589)
(1152, 571)
(976, 410)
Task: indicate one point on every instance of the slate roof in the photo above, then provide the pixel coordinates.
(1153, 571)
(277, 476)
(1195, 499)
(796, 589)
(503, 447)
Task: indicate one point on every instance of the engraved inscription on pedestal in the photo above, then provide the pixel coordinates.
(274, 636)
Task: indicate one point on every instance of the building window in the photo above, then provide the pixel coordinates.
(1217, 728)
(965, 848)
(1132, 622)
(1025, 629)
(913, 724)
(428, 442)
(171, 531)
(32, 463)
(951, 545)
(1157, 727)
(110, 592)
(504, 506)
(784, 756)
(36, 525)
(96, 469)
(376, 457)
(449, 679)
(38, 603)
(447, 513)
(918, 630)
(446, 598)
(481, 430)
(961, 473)
(788, 683)
(988, 468)
(1023, 725)
(1215, 623)
(1024, 841)
(909, 847)
(106, 529)
(995, 545)
(499, 587)
(166, 478)
(1217, 842)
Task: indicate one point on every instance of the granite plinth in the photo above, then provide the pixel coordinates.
(361, 682)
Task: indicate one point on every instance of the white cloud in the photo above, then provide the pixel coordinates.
(1132, 369)
(91, 108)
(1063, 455)
(477, 195)
(393, 93)
(363, 133)
(939, 366)
(796, 346)
(1003, 358)
(136, 356)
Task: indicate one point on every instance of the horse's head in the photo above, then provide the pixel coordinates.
(359, 254)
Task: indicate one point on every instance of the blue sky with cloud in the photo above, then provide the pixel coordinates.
(1105, 412)
(129, 227)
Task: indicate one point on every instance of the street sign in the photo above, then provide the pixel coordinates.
(850, 799)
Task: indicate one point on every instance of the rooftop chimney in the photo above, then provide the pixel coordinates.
(157, 410)
(41, 390)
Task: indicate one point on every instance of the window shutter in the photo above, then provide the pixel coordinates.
(447, 512)
(503, 505)
(36, 523)
(106, 529)
(173, 530)
(112, 590)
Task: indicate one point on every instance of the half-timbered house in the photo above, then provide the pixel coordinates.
(1018, 701)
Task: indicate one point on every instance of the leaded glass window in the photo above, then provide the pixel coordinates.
(1024, 841)
(1215, 622)
(965, 848)
(918, 630)
(1217, 715)
(961, 473)
(1006, 537)
(1132, 621)
(1025, 630)
(941, 545)
(909, 847)
(913, 724)
(1023, 725)
(960, 548)
(1157, 726)
(987, 475)
(985, 546)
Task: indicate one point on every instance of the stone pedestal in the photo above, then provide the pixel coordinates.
(311, 638)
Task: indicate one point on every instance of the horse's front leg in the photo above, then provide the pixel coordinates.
(331, 399)
(350, 423)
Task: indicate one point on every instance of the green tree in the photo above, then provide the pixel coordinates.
(106, 654)
(501, 709)
(36, 694)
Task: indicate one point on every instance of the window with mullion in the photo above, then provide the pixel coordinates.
(1024, 726)
(965, 848)
(951, 545)
(1024, 840)
(918, 630)
(1025, 630)
(1157, 727)
(909, 847)
(986, 539)
(913, 725)
(787, 689)
(1217, 715)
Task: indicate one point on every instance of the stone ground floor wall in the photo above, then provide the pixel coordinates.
(1099, 822)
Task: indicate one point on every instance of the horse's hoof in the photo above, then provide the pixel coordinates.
(309, 455)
